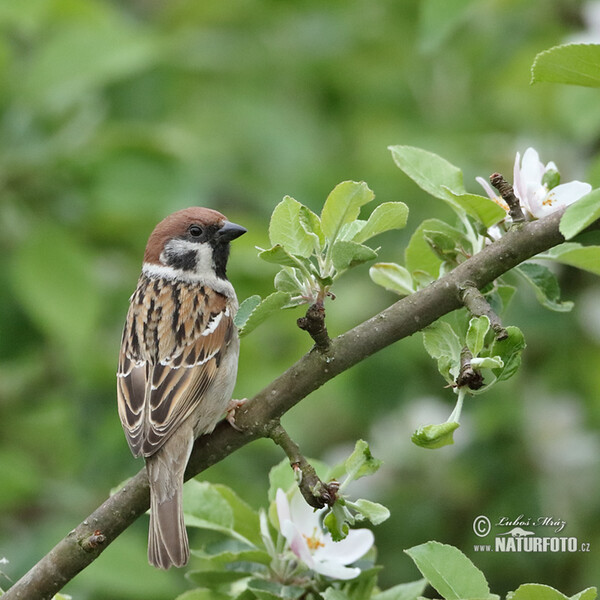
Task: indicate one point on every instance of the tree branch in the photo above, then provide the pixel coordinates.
(402, 319)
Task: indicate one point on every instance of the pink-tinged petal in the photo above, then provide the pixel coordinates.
(283, 506)
(297, 543)
(335, 570)
(487, 187)
(356, 544)
(303, 515)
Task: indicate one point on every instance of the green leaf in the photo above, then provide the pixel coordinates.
(286, 280)
(403, 591)
(419, 256)
(509, 350)
(574, 64)
(286, 230)
(444, 246)
(261, 312)
(590, 593)
(449, 571)
(245, 310)
(271, 590)
(245, 519)
(335, 522)
(387, 216)
(350, 230)
(545, 285)
(430, 172)
(212, 579)
(312, 225)
(203, 502)
(487, 362)
(346, 255)
(482, 208)
(343, 206)
(393, 277)
(361, 462)
(536, 591)
(435, 436)
(372, 511)
(580, 214)
(442, 343)
(333, 594)
(576, 255)
(280, 256)
(478, 328)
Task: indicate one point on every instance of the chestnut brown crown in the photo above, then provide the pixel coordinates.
(177, 225)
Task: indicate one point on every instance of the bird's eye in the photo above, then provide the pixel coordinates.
(195, 230)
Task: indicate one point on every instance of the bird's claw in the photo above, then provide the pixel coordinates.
(230, 412)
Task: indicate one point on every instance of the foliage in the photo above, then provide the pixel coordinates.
(115, 114)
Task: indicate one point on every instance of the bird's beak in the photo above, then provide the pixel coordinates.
(230, 231)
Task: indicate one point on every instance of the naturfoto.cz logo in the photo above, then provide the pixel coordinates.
(521, 538)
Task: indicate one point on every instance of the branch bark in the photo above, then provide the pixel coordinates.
(400, 320)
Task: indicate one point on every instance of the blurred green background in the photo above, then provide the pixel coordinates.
(114, 114)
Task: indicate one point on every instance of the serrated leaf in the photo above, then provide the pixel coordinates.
(387, 216)
(245, 310)
(261, 312)
(430, 172)
(312, 225)
(435, 436)
(372, 511)
(574, 64)
(393, 277)
(280, 256)
(580, 214)
(509, 350)
(576, 255)
(475, 339)
(482, 208)
(361, 462)
(285, 229)
(403, 591)
(536, 591)
(590, 593)
(442, 343)
(346, 255)
(545, 286)
(449, 571)
(343, 206)
(419, 256)
(286, 280)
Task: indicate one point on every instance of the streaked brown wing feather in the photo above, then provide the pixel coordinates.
(170, 355)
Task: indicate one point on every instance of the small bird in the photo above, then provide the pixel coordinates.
(178, 361)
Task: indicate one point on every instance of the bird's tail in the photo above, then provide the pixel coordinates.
(167, 537)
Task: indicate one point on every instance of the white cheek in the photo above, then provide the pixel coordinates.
(204, 260)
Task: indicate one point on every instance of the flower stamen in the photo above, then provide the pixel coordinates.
(313, 542)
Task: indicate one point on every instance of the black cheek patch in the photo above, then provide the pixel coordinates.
(186, 261)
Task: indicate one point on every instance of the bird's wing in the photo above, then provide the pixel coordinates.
(181, 338)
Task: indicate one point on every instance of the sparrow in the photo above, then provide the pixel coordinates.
(178, 361)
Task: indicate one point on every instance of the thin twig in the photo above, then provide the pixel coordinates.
(468, 375)
(478, 306)
(315, 492)
(508, 195)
